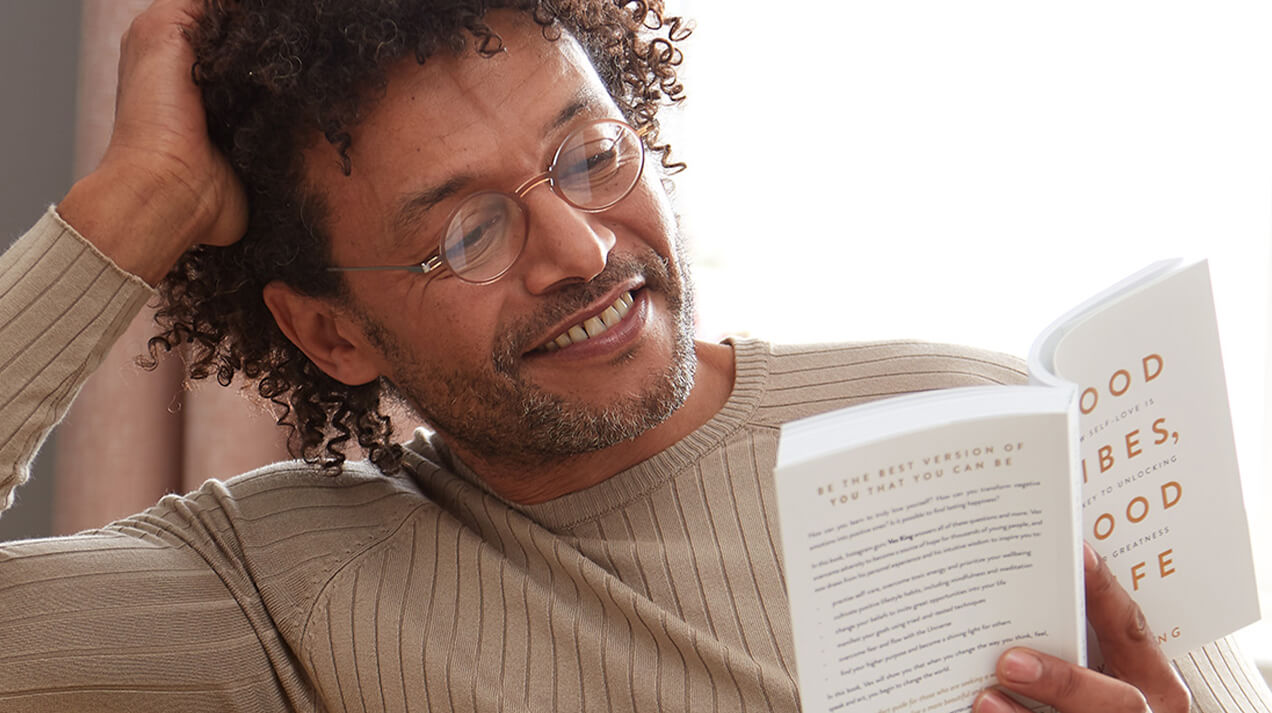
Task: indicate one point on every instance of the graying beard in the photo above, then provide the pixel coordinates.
(566, 433)
(549, 428)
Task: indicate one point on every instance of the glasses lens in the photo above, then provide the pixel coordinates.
(484, 237)
(598, 165)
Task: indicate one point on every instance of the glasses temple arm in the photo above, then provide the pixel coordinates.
(433, 262)
(377, 268)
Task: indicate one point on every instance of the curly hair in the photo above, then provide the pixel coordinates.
(275, 72)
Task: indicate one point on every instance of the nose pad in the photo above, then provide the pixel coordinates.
(564, 245)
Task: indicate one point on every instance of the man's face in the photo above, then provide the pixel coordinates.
(473, 359)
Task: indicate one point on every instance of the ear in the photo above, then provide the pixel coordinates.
(327, 336)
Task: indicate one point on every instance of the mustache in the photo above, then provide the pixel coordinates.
(570, 299)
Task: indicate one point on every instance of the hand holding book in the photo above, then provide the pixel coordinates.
(927, 537)
(1145, 683)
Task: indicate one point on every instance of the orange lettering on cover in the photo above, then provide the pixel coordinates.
(1137, 573)
(1095, 399)
(1120, 382)
(1137, 509)
(1156, 371)
(1126, 382)
(1132, 443)
(1104, 518)
(1106, 458)
(1164, 562)
(1165, 568)
(1143, 514)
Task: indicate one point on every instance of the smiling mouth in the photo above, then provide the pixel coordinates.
(592, 326)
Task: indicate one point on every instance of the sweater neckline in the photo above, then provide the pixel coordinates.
(751, 369)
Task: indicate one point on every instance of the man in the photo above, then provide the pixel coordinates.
(456, 210)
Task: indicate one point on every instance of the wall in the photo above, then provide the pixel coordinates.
(39, 47)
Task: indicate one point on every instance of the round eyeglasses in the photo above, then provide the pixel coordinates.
(594, 168)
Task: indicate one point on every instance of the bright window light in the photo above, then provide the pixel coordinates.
(966, 172)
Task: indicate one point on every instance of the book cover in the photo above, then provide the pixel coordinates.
(926, 534)
(1161, 493)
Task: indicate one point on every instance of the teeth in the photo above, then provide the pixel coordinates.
(593, 326)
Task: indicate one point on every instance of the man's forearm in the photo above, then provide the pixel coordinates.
(62, 304)
(131, 222)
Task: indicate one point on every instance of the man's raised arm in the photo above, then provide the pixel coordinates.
(157, 611)
(160, 188)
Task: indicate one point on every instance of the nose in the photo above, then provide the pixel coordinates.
(564, 245)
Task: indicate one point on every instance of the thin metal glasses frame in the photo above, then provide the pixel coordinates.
(435, 260)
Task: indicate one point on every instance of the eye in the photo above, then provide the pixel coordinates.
(596, 159)
(473, 231)
(483, 238)
(598, 165)
(479, 235)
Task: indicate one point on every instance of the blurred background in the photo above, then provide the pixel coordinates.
(960, 172)
(967, 172)
(39, 56)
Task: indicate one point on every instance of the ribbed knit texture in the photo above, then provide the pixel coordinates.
(50, 339)
(659, 589)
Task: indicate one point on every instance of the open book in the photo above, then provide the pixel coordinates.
(924, 535)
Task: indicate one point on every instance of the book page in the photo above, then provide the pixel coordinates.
(914, 562)
(1161, 496)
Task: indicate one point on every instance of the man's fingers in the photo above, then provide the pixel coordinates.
(991, 701)
(1130, 650)
(1067, 687)
(1140, 680)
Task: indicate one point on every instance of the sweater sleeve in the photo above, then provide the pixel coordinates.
(62, 305)
(1223, 679)
(156, 612)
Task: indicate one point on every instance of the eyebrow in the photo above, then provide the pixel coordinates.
(413, 207)
(581, 102)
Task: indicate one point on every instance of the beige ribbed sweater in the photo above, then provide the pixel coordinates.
(658, 590)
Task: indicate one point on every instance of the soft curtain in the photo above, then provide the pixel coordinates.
(134, 435)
